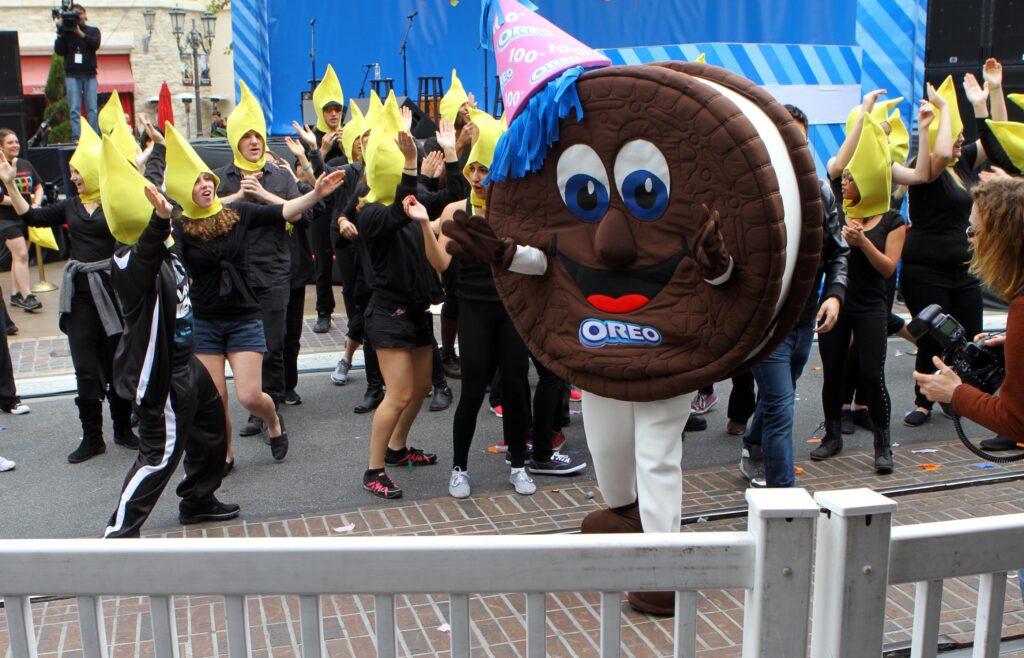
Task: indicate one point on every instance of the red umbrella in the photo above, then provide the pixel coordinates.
(164, 109)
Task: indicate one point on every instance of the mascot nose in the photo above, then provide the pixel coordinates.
(614, 241)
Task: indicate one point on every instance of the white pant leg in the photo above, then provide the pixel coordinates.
(609, 428)
(659, 453)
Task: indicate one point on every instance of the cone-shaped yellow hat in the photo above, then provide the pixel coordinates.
(384, 160)
(1018, 99)
(86, 160)
(899, 138)
(124, 195)
(948, 92)
(490, 131)
(871, 169)
(453, 99)
(124, 141)
(111, 114)
(184, 167)
(391, 108)
(880, 112)
(247, 116)
(701, 59)
(373, 112)
(327, 92)
(1011, 137)
(353, 130)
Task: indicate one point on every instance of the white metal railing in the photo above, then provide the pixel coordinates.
(771, 561)
(859, 554)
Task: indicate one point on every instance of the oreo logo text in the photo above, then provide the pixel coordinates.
(598, 333)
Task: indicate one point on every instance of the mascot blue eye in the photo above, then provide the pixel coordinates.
(583, 183)
(642, 176)
(586, 197)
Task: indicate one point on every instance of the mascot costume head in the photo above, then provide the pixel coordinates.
(678, 208)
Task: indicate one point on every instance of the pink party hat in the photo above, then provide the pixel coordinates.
(531, 51)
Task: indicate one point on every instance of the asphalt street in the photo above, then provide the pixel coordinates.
(47, 497)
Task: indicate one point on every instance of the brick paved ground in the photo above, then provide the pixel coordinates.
(498, 622)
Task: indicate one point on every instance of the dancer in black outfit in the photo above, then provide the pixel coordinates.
(89, 312)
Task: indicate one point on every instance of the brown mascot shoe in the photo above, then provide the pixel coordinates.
(627, 519)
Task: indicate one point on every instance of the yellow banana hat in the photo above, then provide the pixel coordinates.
(701, 59)
(1011, 137)
(391, 108)
(86, 160)
(490, 130)
(326, 93)
(384, 160)
(948, 92)
(184, 167)
(125, 205)
(373, 112)
(880, 112)
(111, 114)
(871, 169)
(453, 99)
(899, 138)
(353, 130)
(1018, 99)
(246, 117)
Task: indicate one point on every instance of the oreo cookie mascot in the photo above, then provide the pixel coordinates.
(652, 229)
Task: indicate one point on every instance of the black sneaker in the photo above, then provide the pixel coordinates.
(559, 464)
(31, 304)
(371, 401)
(323, 324)
(127, 439)
(12, 329)
(413, 456)
(382, 485)
(696, 423)
(847, 420)
(452, 367)
(252, 427)
(292, 398)
(916, 418)
(211, 509)
(752, 466)
(442, 398)
(17, 300)
(998, 443)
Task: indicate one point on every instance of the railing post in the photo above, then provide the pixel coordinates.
(851, 573)
(775, 614)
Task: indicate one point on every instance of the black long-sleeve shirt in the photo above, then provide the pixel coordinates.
(268, 256)
(79, 53)
(393, 246)
(835, 254)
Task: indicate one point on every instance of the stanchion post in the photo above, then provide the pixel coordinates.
(43, 285)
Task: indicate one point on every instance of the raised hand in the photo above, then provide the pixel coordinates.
(295, 148)
(433, 164)
(305, 134)
(151, 130)
(471, 238)
(993, 73)
(976, 94)
(414, 209)
(251, 188)
(925, 115)
(160, 204)
(471, 100)
(7, 170)
(328, 142)
(445, 136)
(934, 98)
(870, 99)
(406, 145)
(327, 183)
(407, 118)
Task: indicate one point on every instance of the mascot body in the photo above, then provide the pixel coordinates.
(656, 228)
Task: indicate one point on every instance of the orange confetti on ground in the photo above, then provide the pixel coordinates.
(799, 470)
(815, 368)
(493, 450)
(1020, 444)
(929, 467)
(813, 439)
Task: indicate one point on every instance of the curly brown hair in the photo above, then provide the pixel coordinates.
(210, 227)
(998, 247)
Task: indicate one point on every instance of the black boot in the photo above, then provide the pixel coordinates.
(374, 396)
(832, 444)
(442, 398)
(90, 412)
(883, 452)
(121, 416)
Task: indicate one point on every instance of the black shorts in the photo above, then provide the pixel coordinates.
(357, 318)
(389, 326)
(12, 231)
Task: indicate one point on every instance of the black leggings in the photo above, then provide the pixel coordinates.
(893, 325)
(869, 332)
(488, 340)
(293, 337)
(959, 295)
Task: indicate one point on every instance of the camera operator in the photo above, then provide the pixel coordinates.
(997, 228)
(77, 43)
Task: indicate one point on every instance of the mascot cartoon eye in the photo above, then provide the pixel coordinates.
(583, 182)
(641, 174)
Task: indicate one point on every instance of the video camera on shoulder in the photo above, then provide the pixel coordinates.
(980, 366)
(68, 17)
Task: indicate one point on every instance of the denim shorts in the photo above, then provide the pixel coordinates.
(229, 336)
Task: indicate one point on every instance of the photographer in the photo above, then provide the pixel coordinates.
(77, 44)
(997, 226)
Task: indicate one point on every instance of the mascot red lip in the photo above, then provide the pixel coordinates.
(655, 229)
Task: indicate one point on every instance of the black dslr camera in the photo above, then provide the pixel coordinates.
(68, 17)
(981, 367)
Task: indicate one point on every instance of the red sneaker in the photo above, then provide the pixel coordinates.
(575, 394)
(383, 486)
(496, 410)
(413, 456)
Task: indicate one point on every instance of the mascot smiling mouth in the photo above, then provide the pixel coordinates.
(622, 291)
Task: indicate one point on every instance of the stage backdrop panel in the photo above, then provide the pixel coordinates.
(353, 33)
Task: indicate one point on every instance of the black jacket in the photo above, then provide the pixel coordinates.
(268, 256)
(835, 253)
(69, 44)
(299, 244)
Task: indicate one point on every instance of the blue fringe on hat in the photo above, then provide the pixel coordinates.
(523, 147)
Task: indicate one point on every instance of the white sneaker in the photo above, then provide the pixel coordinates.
(18, 409)
(6, 465)
(340, 374)
(458, 485)
(522, 482)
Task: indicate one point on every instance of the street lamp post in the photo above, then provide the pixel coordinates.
(198, 43)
